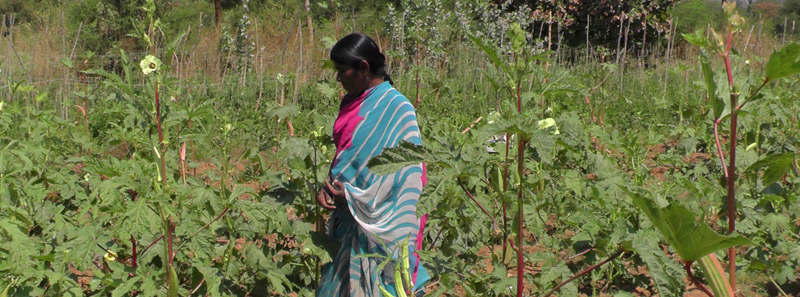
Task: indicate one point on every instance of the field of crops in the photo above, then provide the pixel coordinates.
(189, 169)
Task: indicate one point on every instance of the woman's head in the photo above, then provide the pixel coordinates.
(357, 58)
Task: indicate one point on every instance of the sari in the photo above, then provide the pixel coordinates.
(380, 212)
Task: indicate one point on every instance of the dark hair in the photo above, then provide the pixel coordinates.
(355, 47)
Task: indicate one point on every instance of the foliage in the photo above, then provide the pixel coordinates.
(104, 21)
(239, 190)
(677, 224)
(606, 18)
(697, 14)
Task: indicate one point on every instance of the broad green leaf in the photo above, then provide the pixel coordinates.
(665, 272)
(691, 239)
(517, 37)
(326, 90)
(126, 287)
(282, 112)
(776, 166)
(783, 62)
(66, 62)
(212, 276)
(140, 219)
(5, 291)
(697, 38)
(396, 158)
(711, 85)
(41, 97)
(486, 49)
(328, 42)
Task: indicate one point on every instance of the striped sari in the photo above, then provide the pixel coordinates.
(381, 210)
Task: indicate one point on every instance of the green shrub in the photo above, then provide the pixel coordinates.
(695, 14)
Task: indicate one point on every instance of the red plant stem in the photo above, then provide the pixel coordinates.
(436, 238)
(581, 253)
(153, 243)
(732, 195)
(85, 105)
(687, 265)
(520, 214)
(494, 222)
(133, 243)
(204, 227)
(460, 183)
(198, 286)
(505, 205)
(584, 271)
(719, 149)
(521, 225)
(732, 163)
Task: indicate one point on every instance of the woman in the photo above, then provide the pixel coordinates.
(372, 214)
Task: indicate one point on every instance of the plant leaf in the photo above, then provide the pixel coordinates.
(711, 85)
(666, 273)
(66, 62)
(126, 286)
(486, 49)
(396, 158)
(697, 38)
(776, 164)
(691, 239)
(783, 62)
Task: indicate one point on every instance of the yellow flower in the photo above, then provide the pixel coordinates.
(150, 64)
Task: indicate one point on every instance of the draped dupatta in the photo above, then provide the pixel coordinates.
(380, 212)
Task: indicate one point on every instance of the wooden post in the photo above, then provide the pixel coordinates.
(747, 41)
(670, 45)
(588, 48)
(624, 56)
(758, 36)
(260, 70)
(619, 36)
(643, 54)
(783, 36)
(299, 75)
(218, 12)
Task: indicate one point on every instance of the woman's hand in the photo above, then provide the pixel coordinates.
(336, 190)
(325, 199)
(331, 194)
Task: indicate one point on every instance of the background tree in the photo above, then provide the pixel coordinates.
(604, 18)
(218, 11)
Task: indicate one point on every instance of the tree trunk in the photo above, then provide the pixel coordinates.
(310, 23)
(218, 11)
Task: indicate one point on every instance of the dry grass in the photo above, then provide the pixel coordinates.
(40, 46)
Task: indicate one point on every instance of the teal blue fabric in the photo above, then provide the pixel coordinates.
(380, 212)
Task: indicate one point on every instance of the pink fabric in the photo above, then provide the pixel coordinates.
(422, 221)
(346, 122)
(424, 175)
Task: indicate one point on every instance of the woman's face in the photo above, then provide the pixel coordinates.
(352, 80)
